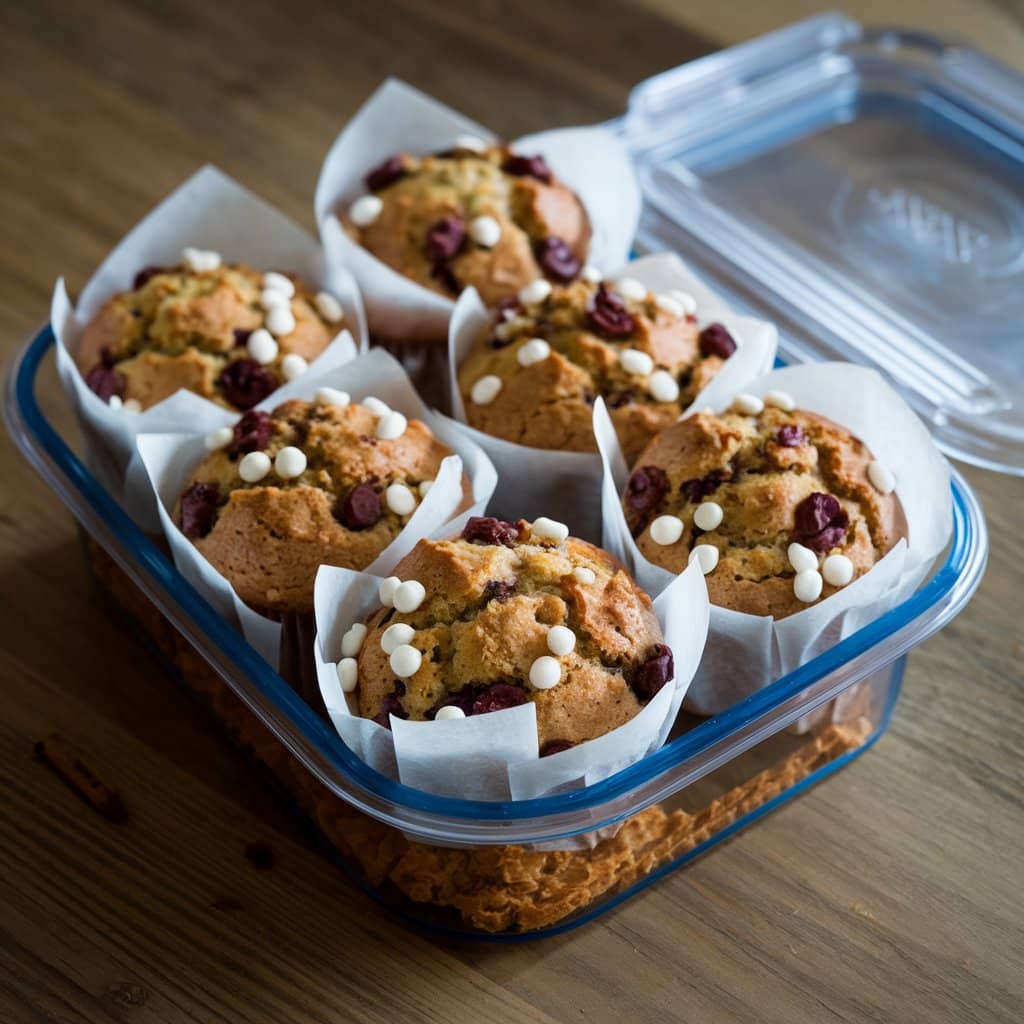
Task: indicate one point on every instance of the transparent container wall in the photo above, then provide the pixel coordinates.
(865, 189)
(516, 891)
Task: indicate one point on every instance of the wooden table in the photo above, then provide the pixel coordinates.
(891, 893)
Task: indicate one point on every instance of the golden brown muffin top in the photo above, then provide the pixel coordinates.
(508, 613)
(778, 504)
(327, 482)
(225, 331)
(486, 218)
(533, 374)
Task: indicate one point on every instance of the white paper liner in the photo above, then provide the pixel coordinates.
(398, 118)
(495, 756)
(567, 485)
(168, 461)
(746, 652)
(209, 211)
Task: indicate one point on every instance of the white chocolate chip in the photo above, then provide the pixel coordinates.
(390, 426)
(485, 231)
(671, 305)
(293, 365)
(290, 462)
(635, 362)
(449, 713)
(686, 300)
(485, 390)
(631, 288)
(348, 674)
(329, 307)
(271, 299)
(200, 260)
(748, 405)
(666, 530)
(561, 641)
(780, 400)
(352, 641)
(254, 466)
(114, 402)
(882, 477)
(365, 210)
(807, 585)
(706, 556)
(545, 672)
(536, 350)
(801, 558)
(409, 596)
(425, 487)
(332, 396)
(375, 406)
(708, 515)
(591, 274)
(471, 142)
(279, 283)
(132, 405)
(280, 321)
(837, 570)
(534, 292)
(386, 591)
(400, 499)
(662, 386)
(261, 346)
(217, 439)
(549, 529)
(584, 575)
(405, 661)
(395, 635)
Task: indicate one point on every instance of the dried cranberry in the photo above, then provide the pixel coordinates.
(527, 167)
(360, 508)
(821, 522)
(789, 435)
(608, 317)
(619, 399)
(697, 490)
(555, 747)
(653, 673)
(241, 337)
(105, 382)
(245, 383)
(497, 697)
(390, 705)
(646, 488)
(445, 239)
(385, 174)
(498, 590)
(462, 699)
(488, 530)
(251, 434)
(144, 276)
(556, 259)
(715, 340)
(199, 509)
(443, 273)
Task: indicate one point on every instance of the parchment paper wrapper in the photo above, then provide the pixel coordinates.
(398, 118)
(208, 211)
(495, 756)
(747, 652)
(567, 485)
(168, 461)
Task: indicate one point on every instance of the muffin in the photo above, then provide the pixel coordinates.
(503, 614)
(533, 374)
(781, 507)
(224, 331)
(312, 483)
(475, 215)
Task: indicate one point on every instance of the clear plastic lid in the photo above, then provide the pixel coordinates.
(864, 190)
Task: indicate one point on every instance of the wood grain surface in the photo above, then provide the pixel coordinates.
(891, 893)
